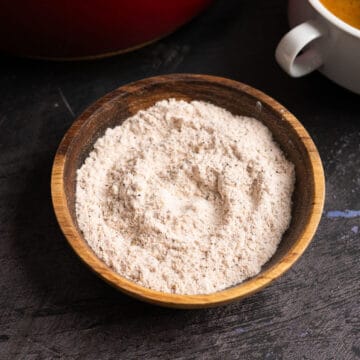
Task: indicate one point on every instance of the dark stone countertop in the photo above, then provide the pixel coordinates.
(52, 306)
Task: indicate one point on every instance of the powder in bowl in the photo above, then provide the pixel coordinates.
(185, 198)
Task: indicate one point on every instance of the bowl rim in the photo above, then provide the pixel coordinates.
(236, 292)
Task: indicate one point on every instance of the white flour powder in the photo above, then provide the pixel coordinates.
(185, 197)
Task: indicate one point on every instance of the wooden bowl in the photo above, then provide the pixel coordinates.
(115, 107)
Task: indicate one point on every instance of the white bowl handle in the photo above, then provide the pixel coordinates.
(293, 42)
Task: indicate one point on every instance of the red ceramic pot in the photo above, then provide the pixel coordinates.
(88, 28)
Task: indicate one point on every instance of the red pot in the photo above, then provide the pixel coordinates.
(87, 28)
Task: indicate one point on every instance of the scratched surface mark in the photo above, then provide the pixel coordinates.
(53, 307)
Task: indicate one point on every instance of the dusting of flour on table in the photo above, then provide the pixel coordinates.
(185, 198)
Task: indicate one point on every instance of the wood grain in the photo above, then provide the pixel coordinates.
(236, 97)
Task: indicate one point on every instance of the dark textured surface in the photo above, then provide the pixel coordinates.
(51, 306)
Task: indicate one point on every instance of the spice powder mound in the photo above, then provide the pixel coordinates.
(185, 197)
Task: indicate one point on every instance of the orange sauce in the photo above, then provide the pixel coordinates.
(346, 10)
